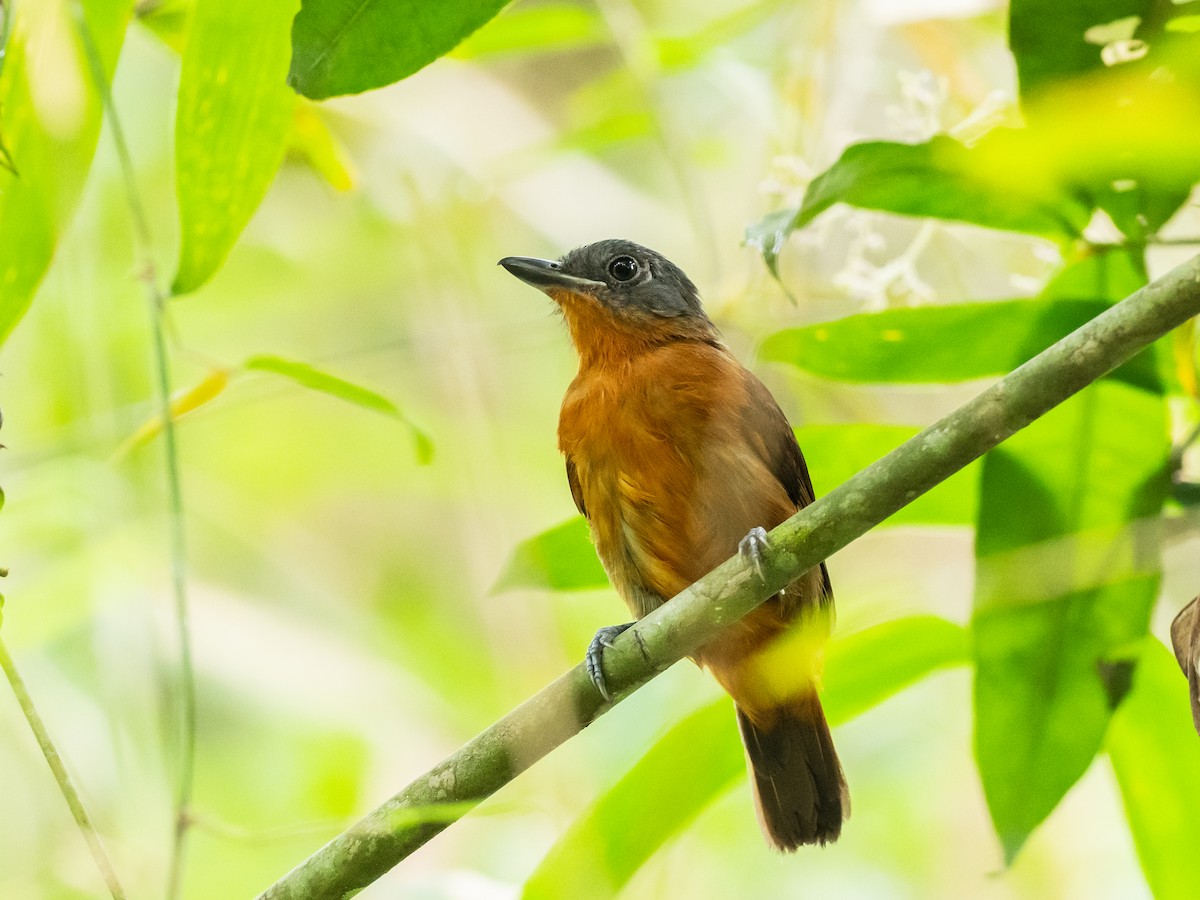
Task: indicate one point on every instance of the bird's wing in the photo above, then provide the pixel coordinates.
(766, 428)
(576, 490)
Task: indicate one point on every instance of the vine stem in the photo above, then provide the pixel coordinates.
(156, 303)
(59, 770)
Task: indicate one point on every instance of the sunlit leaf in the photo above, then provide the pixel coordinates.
(1185, 24)
(50, 116)
(231, 122)
(695, 762)
(865, 668)
(1052, 42)
(835, 453)
(311, 140)
(167, 20)
(1065, 575)
(940, 178)
(1103, 273)
(561, 558)
(541, 28)
(206, 390)
(1112, 91)
(317, 380)
(348, 46)
(938, 343)
(1156, 758)
(700, 757)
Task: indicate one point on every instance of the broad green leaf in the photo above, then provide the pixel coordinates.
(1156, 758)
(317, 380)
(541, 28)
(167, 20)
(1056, 43)
(561, 559)
(1103, 273)
(205, 391)
(939, 343)
(865, 668)
(700, 757)
(1067, 573)
(50, 113)
(1185, 24)
(691, 765)
(835, 453)
(1053, 42)
(349, 46)
(231, 123)
(940, 178)
(1112, 93)
(311, 140)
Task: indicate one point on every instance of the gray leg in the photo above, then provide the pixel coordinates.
(751, 549)
(604, 638)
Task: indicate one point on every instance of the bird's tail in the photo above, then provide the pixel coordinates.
(799, 790)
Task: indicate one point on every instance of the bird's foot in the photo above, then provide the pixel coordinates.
(604, 638)
(751, 549)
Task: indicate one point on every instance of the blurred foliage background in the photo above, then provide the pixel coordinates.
(381, 554)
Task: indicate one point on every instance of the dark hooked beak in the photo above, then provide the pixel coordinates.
(547, 275)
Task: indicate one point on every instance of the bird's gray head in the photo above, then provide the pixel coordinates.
(629, 280)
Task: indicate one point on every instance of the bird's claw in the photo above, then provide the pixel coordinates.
(751, 549)
(604, 638)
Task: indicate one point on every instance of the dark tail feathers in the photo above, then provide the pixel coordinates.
(799, 788)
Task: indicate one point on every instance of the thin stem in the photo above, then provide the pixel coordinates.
(156, 300)
(59, 770)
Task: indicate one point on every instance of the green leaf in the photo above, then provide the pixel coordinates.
(865, 668)
(541, 28)
(940, 178)
(700, 757)
(1053, 42)
(231, 124)
(182, 404)
(1104, 273)
(1114, 123)
(348, 46)
(50, 134)
(561, 559)
(1066, 576)
(691, 765)
(167, 20)
(835, 453)
(318, 380)
(936, 344)
(1156, 758)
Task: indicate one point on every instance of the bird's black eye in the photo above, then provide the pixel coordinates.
(623, 268)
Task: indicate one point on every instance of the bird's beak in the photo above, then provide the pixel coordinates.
(547, 275)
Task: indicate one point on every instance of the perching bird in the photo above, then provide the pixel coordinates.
(678, 456)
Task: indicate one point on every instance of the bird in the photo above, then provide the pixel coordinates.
(678, 457)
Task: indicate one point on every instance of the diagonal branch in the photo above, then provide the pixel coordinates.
(375, 844)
